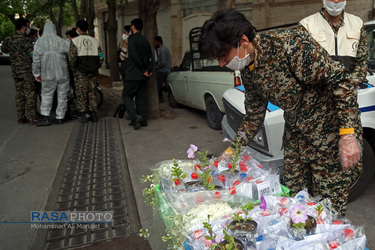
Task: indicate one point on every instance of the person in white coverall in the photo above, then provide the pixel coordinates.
(50, 67)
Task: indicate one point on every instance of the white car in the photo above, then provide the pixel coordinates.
(201, 87)
(267, 144)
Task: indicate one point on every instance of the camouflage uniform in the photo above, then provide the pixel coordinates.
(20, 49)
(85, 83)
(318, 97)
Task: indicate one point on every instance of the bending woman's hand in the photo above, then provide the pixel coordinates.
(349, 151)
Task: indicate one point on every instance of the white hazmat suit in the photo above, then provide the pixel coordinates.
(50, 63)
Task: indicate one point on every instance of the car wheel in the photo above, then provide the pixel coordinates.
(172, 101)
(213, 113)
(368, 172)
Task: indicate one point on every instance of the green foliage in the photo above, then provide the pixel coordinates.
(149, 193)
(144, 233)
(246, 209)
(173, 232)
(6, 29)
(177, 172)
(205, 175)
(320, 209)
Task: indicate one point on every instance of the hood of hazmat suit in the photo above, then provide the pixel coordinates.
(50, 55)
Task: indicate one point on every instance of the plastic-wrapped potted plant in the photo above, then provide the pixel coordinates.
(243, 225)
(301, 224)
(229, 242)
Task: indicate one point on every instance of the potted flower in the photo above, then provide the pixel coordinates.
(243, 225)
(301, 223)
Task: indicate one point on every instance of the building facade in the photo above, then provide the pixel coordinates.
(176, 17)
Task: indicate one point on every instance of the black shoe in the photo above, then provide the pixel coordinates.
(83, 118)
(93, 117)
(60, 121)
(144, 123)
(122, 110)
(131, 124)
(137, 122)
(43, 121)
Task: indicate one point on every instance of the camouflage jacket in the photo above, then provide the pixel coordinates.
(20, 49)
(292, 71)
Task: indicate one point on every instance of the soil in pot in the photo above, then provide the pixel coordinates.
(310, 225)
(222, 245)
(249, 226)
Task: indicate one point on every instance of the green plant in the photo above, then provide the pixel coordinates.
(177, 172)
(149, 193)
(319, 208)
(144, 233)
(205, 175)
(246, 209)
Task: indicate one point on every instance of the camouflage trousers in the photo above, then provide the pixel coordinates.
(86, 92)
(26, 98)
(321, 173)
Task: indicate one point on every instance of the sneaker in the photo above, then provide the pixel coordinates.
(137, 122)
(144, 123)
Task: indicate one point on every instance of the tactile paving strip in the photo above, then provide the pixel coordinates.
(92, 181)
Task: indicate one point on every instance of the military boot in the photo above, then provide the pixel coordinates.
(83, 118)
(43, 121)
(93, 117)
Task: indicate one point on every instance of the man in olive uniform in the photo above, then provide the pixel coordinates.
(85, 58)
(20, 49)
(139, 68)
(319, 98)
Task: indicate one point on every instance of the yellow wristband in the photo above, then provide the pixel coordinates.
(345, 131)
(229, 152)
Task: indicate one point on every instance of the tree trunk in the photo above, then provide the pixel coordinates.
(230, 3)
(147, 10)
(112, 41)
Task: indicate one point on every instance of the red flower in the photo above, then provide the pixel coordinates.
(284, 201)
(177, 182)
(237, 182)
(222, 177)
(207, 242)
(265, 213)
(337, 222)
(259, 181)
(259, 166)
(197, 167)
(208, 179)
(230, 165)
(194, 176)
(320, 221)
(311, 203)
(243, 167)
(246, 157)
(232, 190)
(216, 163)
(333, 245)
(283, 210)
(197, 234)
(349, 234)
(199, 200)
(250, 178)
(217, 195)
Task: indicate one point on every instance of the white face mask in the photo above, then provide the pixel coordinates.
(239, 64)
(28, 30)
(124, 37)
(334, 9)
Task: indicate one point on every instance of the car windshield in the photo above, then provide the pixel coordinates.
(370, 31)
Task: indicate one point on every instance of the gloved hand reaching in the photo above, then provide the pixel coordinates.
(349, 151)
